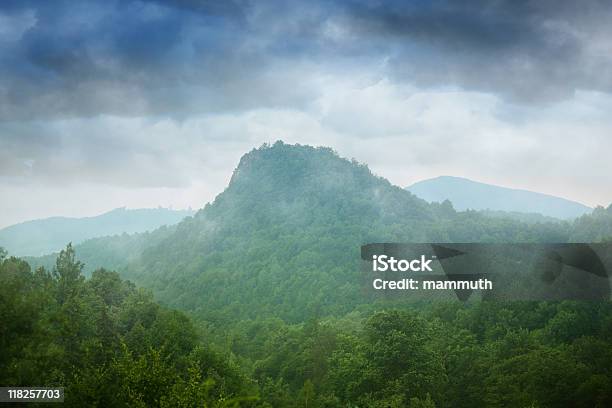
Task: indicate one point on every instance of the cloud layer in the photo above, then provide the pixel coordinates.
(134, 58)
(106, 97)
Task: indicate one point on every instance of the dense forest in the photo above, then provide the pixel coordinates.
(107, 342)
(267, 277)
(110, 344)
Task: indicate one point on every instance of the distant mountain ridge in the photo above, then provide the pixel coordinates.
(45, 236)
(467, 194)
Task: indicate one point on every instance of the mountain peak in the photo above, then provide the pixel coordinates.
(284, 181)
(285, 170)
(282, 161)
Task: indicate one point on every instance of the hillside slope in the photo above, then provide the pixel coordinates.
(283, 239)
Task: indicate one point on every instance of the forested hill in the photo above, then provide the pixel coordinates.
(283, 239)
(270, 270)
(45, 236)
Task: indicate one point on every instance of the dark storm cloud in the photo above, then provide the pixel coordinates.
(70, 59)
(138, 58)
(528, 50)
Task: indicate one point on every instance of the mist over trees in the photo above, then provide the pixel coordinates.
(267, 276)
